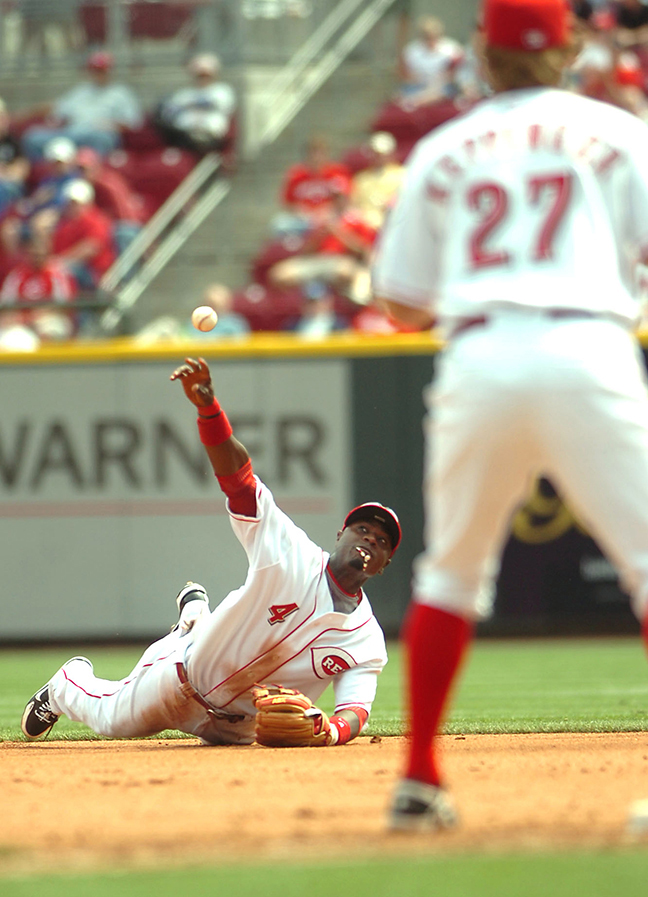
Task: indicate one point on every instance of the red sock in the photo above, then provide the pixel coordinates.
(436, 642)
(644, 632)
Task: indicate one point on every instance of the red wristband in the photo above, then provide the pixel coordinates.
(240, 488)
(213, 426)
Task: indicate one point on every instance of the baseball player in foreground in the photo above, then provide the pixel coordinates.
(519, 229)
(301, 620)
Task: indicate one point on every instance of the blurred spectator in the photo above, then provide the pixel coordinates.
(113, 196)
(336, 252)
(82, 239)
(14, 168)
(374, 189)
(603, 73)
(318, 317)
(38, 17)
(230, 323)
(37, 213)
(93, 113)
(629, 84)
(199, 117)
(428, 64)
(37, 277)
(583, 10)
(309, 189)
(594, 65)
(631, 19)
(469, 79)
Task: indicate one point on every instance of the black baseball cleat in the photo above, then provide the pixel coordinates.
(38, 717)
(419, 807)
(191, 593)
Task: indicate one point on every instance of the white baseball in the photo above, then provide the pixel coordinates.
(204, 318)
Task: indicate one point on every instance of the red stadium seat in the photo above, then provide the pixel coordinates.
(409, 125)
(147, 137)
(155, 21)
(357, 158)
(268, 309)
(271, 253)
(154, 174)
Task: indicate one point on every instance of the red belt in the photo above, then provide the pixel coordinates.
(556, 313)
(188, 690)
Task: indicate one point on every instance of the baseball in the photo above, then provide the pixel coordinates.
(204, 318)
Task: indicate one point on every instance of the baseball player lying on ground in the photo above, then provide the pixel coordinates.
(301, 619)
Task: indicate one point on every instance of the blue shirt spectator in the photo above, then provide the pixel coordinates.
(91, 114)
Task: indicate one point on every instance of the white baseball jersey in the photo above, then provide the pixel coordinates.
(524, 220)
(536, 197)
(279, 627)
(428, 66)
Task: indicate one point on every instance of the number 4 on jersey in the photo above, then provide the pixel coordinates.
(279, 612)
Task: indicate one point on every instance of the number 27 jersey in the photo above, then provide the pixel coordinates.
(536, 197)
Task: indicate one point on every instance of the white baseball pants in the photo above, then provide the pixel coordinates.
(147, 701)
(520, 396)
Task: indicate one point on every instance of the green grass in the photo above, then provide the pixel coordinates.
(508, 686)
(558, 875)
(570, 685)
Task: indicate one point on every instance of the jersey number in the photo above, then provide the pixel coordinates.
(279, 612)
(491, 201)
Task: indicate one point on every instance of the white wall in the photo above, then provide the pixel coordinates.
(107, 501)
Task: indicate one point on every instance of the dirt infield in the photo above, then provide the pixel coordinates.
(94, 803)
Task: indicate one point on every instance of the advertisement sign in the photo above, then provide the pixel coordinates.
(554, 578)
(108, 504)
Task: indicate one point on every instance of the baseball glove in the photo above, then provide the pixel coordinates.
(287, 718)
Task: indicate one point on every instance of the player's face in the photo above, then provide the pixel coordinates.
(366, 546)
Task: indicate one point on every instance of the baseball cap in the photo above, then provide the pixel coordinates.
(78, 190)
(60, 149)
(100, 60)
(531, 25)
(373, 510)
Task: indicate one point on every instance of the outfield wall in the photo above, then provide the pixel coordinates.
(108, 504)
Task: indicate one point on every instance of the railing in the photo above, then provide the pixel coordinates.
(273, 107)
(171, 226)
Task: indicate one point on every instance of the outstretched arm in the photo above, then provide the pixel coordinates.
(288, 718)
(229, 458)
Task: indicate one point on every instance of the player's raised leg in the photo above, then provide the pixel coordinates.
(146, 701)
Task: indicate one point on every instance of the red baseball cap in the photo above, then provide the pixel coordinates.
(100, 60)
(373, 510)
(531, 25)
